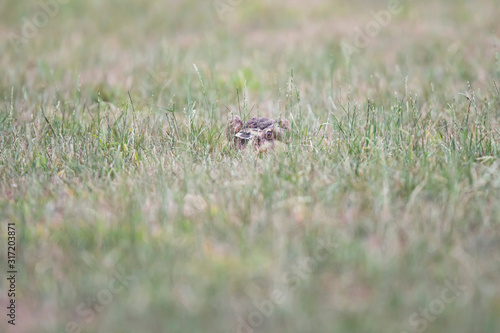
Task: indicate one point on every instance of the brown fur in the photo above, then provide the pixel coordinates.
(262, 132)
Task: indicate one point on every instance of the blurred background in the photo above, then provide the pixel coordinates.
(187, 241)
(149, 47)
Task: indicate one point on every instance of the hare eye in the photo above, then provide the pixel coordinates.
(269, 135)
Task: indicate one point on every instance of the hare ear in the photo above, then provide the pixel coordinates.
(234, 125)
(284, 124)
(282, 131)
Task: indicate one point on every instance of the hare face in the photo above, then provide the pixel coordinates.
(262, 133)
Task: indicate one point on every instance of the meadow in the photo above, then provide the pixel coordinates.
(132, 212)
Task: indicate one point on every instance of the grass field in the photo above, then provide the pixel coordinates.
(132, 213)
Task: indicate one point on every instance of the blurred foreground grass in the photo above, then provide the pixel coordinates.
(114, 166)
